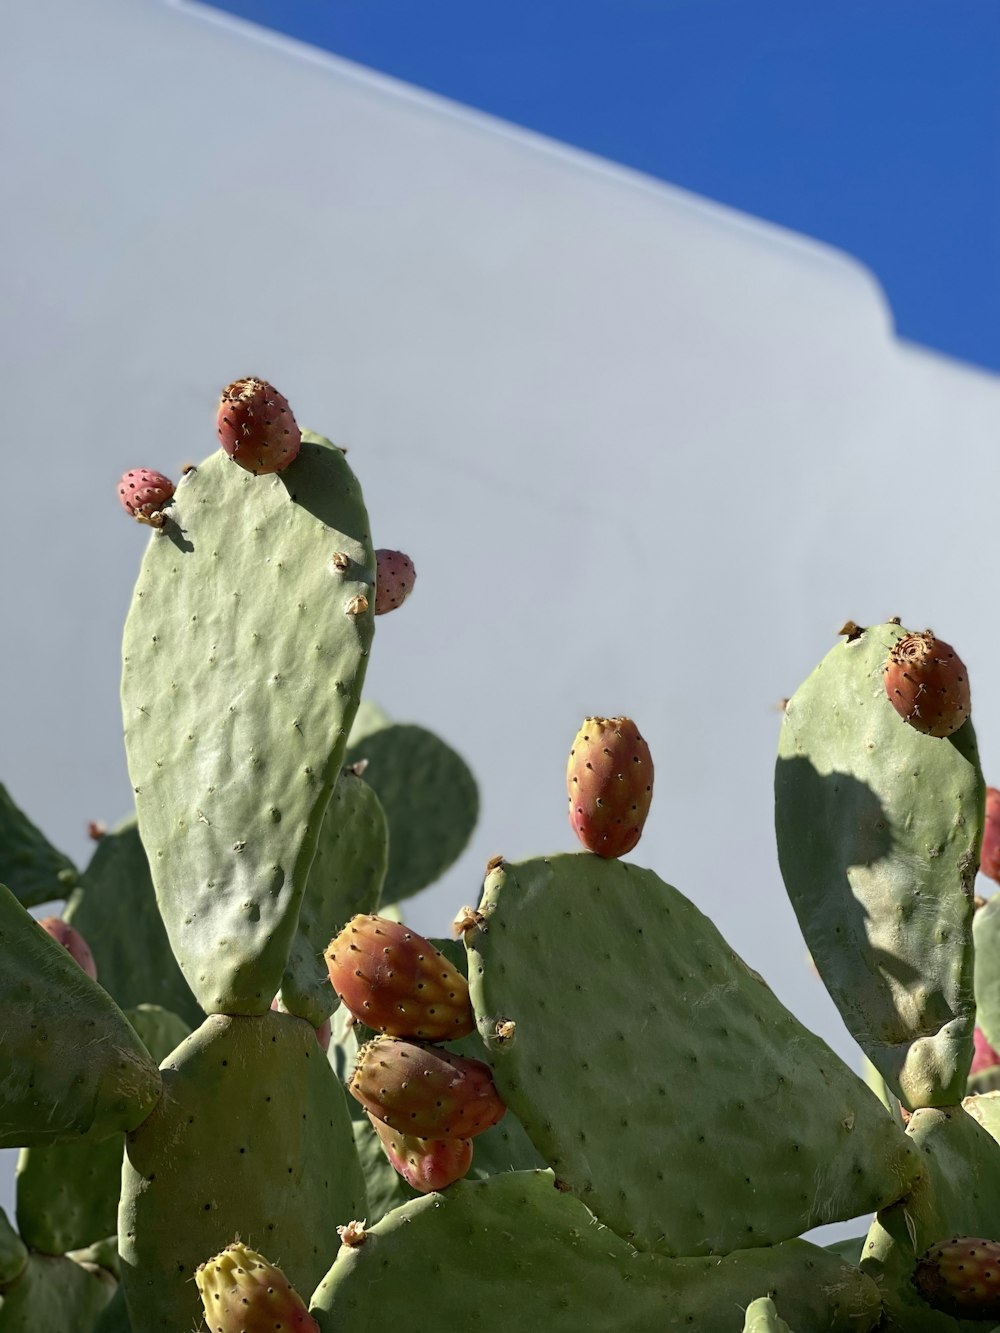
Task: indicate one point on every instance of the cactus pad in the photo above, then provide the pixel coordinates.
(514, 1252)
(114, 907)
(430, 798)
(252, 1137)
(237, 705)
(665, 1151)
(72, 1064)
(29, 865)
(878, 839)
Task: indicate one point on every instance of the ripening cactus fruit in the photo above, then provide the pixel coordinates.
(243, 1293)
(984, 1056)
(425, 1090)
(396, 982)
(143, 494)
(961, 1277)
(609, 779)
(425, 1164)
(72, 941)
(989, 860)
(927, 684)
(394, 580)
(256, 427)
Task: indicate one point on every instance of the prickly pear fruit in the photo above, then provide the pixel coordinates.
(425, 1164)
(256, 427)
(72, 941)
(425, 1090)
(243, 1293)
(961, 1277)
(394, 580)
(989, 859)
(610, 782)
(984, 1057)
(927, 684)
(396, 982)
(143, 493)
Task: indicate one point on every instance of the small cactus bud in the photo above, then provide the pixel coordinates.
(353, 1234)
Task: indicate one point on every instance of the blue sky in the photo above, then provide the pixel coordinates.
(874, 126)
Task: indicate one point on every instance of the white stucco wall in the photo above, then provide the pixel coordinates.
(647, 454)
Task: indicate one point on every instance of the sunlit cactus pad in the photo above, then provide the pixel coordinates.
(645, 1055)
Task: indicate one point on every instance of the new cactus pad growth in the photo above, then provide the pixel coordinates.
(394, 580)
(256, 427)
(396, 982)
(927, 684)
(609, 779)
(961, 1277)
(243, 1293)
(425, 1090)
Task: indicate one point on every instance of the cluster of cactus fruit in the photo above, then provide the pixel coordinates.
(249, 1098)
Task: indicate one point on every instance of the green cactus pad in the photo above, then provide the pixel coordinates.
(878, 839)
(345, 878)
(55, 1295)
(114, 1317)
(67, 1193)
(762, 1317)
(252, 1137)
(986, 934)
(646, 1054)
(850, 1249)
(29, 865)
(513, 1252)
(13, 1253)
(958, 1195)
(72, 1065)
(103, 1253)
(430, 798)
(244, 654)
(114, 909)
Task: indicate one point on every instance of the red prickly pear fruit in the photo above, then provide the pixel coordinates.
(609, 778)
(243, 1293)
(985, 1056)
(322, 1032)
(927, 684)
(72, 941)
(989, 858)
(425, 1090)
(961, 1277)
(256, 427)
(398, 983)
(425, 1164)
(144, 492)
(394, 580)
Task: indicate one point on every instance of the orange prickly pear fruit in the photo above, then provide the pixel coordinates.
(395, 981)
(961, 1277)
(243, 1293)
(72, 941)
(425, 1164)
(425, 1090)
(609, 778)
(256, 427)
(927, 684)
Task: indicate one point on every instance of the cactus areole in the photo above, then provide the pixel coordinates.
(609, 779)
(927, 684)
